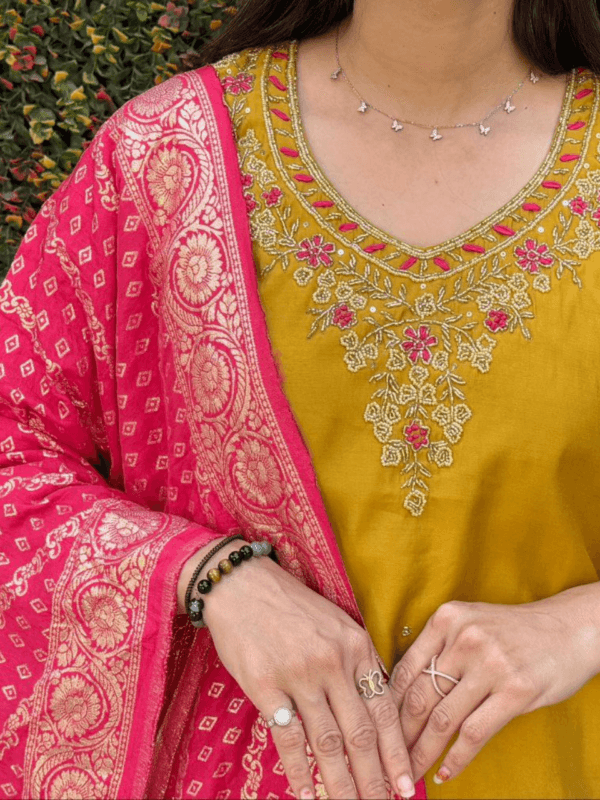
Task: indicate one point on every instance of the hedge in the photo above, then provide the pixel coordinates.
(64, 69)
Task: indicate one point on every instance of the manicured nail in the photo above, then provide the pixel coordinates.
(307, 794)
(442, 775)
(406, 787)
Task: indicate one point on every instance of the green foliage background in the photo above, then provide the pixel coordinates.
(64, 69)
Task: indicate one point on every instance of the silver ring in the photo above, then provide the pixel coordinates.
(281, 716)
(370, 684)
(433, 672)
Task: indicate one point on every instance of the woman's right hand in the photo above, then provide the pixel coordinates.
(288, 646)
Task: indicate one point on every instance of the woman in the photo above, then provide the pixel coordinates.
(232, 298)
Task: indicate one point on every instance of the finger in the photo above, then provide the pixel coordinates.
(428, 643)
(422, 697)
(476, 730)
(445, 719)
(392, 748)
(327, 744)
(290, 741)
(360, 734)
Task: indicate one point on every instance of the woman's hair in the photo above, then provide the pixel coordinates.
(555, 35)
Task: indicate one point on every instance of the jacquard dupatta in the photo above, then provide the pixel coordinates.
(141, 416)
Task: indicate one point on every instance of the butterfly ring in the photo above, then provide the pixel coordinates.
(370, 684)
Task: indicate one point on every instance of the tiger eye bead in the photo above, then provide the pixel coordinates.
(235, 557)
(225, 566)
(213, 575)
(246, 552)
(204, 586)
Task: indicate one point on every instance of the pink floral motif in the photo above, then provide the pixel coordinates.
(418, 344)
(315, 251)
(416, 436)
(579, 206)
(343, 317)
(251, 203)
(247, 180)
(496, 321)
(533, 256)
(238, 83)
(596, 217)
(273, 197)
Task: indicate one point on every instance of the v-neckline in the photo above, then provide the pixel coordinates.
(539, 195)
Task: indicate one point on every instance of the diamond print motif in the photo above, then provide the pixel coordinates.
(109, 246)
(207, 723)
(85, 255)
(129, 259)
(12, 343)
(205, 753)
(194, 788)
(75, 225)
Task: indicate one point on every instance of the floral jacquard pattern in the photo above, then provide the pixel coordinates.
(416, 344)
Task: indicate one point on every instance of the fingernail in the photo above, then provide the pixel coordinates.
(406, 786)
(306, 794)
(442, 775)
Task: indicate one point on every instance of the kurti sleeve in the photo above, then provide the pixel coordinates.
(89, 557)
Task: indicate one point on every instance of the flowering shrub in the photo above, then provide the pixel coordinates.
(65, 67)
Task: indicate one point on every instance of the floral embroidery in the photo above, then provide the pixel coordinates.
(497, 320)
(211, 379)
(343, 317)
(418, 343)
(315, 251)
(198, 269)
(579, 206)
(103, 608)
(533, 256)
(75, 706)
(169, 177)
(242, 82)
(416, 436)
(72, 784)
(416, 348)
(257, 473)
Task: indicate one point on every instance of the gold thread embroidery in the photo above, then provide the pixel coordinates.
(417, 346)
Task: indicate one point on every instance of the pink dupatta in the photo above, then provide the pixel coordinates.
(141, 416)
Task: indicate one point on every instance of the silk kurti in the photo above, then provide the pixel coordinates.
(449, 396)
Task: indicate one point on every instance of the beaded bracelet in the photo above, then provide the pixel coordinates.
(207, 557)
(224, 567)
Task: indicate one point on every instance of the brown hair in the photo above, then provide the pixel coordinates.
(554, 35)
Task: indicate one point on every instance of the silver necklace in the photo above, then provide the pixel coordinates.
(435, 135)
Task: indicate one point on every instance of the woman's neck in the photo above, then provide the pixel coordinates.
(445, 60)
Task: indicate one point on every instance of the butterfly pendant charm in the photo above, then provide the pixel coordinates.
(533, 77)
(397, 126)
(334, 75)
(508, 107)
(362, 107)
(483, 130)
(435, 135)
(370, 684)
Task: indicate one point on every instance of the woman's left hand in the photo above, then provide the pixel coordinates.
(509, 659)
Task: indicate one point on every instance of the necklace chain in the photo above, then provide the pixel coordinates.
(398, 124)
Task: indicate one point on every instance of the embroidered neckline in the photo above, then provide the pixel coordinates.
(418, 345)
(495, 233)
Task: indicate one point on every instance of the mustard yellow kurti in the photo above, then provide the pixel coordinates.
(449, 396)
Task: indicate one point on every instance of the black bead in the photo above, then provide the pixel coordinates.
(235, 557)
(195, 610)
(246, 552)
(204, 587)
